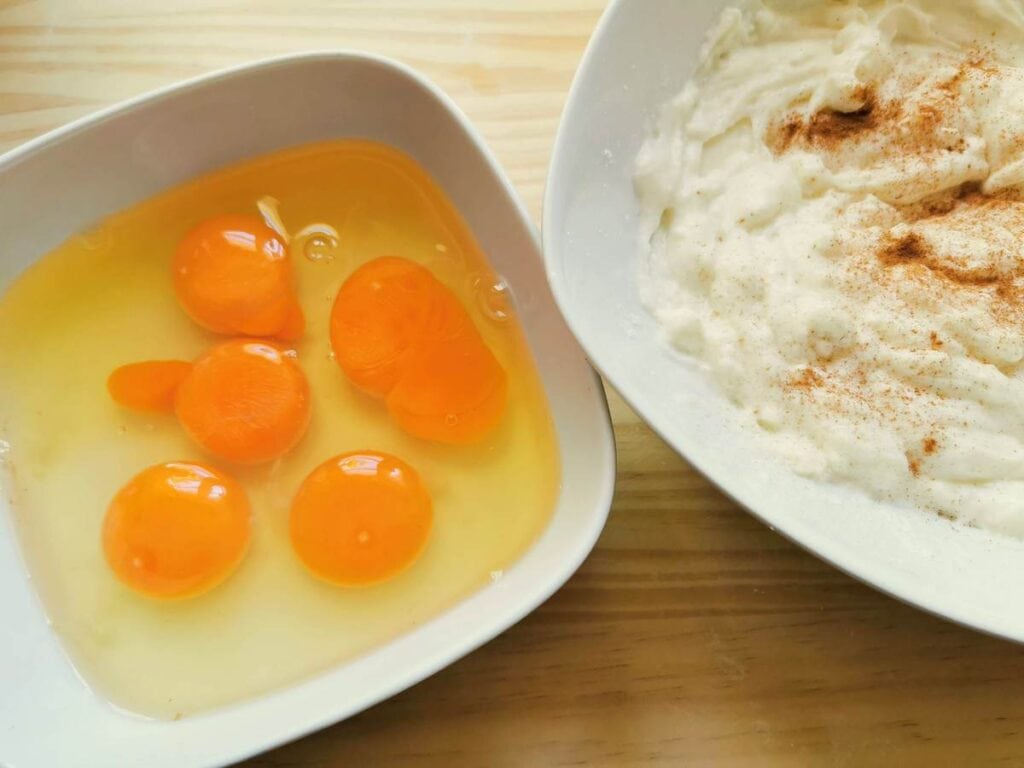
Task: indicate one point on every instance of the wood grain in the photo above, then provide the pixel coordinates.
(693, 635)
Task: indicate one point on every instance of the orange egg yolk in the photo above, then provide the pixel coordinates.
(233, 275)
(398, 333)
(148, 386)
(244, 401)
(360, 518)
(451, 391)
(176, 530)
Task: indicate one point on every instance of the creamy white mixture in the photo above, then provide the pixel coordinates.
(833, 207)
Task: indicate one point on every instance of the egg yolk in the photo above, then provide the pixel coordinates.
(451, 391)
(382, 312)
(398, 333)
(360, 518)
(148, 386)
(176, 530)
(244, 401)
(233, 275)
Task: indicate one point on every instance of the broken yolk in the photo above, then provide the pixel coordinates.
(382, 313)
(360, 518)
(148, 386)
(451, 391)
(398, 333)
(244, 401)
(176, 530)
(233, 275)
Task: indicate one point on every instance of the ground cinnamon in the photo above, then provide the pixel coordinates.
(894, 126)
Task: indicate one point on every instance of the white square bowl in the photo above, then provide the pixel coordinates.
(60, 183)
(641, 55)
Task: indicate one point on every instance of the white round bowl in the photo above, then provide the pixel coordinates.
(641, 54)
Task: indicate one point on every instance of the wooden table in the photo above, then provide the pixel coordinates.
(693, 634)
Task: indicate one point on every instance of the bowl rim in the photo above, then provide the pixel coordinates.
(603, 477)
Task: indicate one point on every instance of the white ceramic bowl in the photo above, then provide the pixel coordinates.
(59, 183)
(641, 55)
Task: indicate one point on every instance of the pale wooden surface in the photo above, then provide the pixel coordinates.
(693, 635)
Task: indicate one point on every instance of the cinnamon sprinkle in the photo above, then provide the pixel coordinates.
(827, 128)
(928, 446)
(807, 379)
(913, 249)
(952, 251)
(995, 220)
(907, 249)
(898, 125)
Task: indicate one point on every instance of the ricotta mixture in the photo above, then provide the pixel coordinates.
(834, 216)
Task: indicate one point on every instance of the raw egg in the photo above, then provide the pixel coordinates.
(245, 401)
(400, 334)
(176, 530)
(360, 518)
(233, 275)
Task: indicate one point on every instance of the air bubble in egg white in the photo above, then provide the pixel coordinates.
(493, 299)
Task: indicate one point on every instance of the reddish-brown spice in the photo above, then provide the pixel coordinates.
(943, 254)
(913, 249)
(808, 378)
(897, 125)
